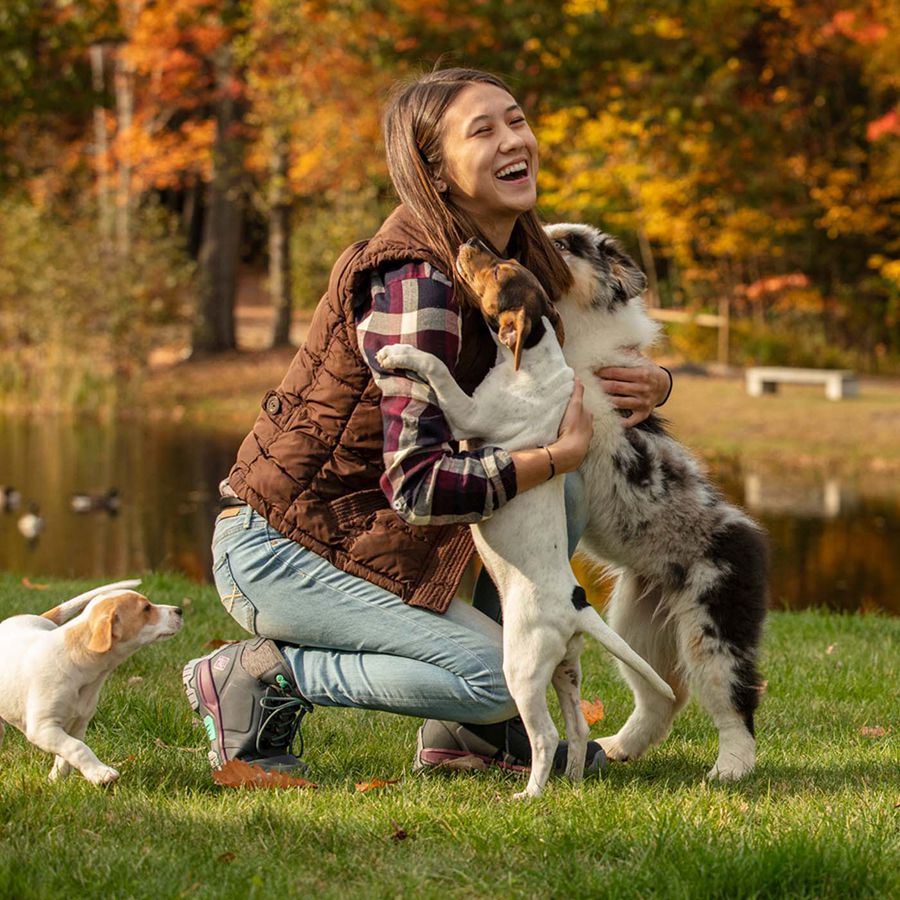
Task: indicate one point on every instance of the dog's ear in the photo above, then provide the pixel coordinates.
(511, 331)
(103, 631)
(626, 279)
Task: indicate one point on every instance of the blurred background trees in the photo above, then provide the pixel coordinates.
(746, 151)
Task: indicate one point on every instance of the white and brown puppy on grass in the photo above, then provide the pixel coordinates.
(519, 405)
(53, 666)
(692, 585)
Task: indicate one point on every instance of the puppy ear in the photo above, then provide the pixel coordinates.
(627, 279)
(103, 631)
(511, 331)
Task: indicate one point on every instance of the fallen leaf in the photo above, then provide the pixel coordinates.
(400, 834)
(873, 731)
(27, 582)
(226, 857)
(134, 680)
(239, 774)
(218, 642)
(830, 650)
(186, 602)
(593, 711)
(375, 783)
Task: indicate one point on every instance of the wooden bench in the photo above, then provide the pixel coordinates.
(839, 383)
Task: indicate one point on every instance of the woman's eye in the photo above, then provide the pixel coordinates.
(519, 120)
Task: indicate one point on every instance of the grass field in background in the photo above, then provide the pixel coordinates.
(818, 818)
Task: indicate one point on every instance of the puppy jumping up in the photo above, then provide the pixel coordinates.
(693, 569)
(53, 666)
(523, 545)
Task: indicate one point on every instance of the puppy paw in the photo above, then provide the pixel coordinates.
(101, 775)
(733, 770)
(613, 748)
(59, 771)
(398, 356)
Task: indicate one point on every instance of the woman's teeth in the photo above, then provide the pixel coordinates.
(512, 171)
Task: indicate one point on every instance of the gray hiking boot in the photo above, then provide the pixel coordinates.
(449, 745)
(247, 700)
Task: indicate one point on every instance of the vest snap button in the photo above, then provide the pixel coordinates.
(273, 405)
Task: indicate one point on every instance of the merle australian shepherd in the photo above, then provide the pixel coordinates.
(691, 585)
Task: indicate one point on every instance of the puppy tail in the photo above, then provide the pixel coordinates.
(71, 608)
(593, 625)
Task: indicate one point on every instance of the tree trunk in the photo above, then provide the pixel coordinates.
(124, 87)
(214, 324)
(101, 150)
(280, 247)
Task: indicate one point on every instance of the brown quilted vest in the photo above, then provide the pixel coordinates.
(312, 463)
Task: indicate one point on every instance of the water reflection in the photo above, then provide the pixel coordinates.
(165, 474)
(834, 543)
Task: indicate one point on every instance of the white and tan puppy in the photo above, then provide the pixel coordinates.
(53, 666)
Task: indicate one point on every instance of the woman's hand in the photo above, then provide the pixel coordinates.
(638, 389)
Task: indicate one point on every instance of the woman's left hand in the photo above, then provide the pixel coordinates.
(639, 389)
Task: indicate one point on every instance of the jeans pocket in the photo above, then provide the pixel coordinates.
(235, 601)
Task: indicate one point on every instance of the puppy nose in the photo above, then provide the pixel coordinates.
(178, 611)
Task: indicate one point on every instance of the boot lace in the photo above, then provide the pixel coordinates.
(282, 716)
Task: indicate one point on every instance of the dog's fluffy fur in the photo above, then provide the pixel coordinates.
(690, 595)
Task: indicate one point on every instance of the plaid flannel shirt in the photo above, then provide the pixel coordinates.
(428, 480)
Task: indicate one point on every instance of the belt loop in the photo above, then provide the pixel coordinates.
(247, 516)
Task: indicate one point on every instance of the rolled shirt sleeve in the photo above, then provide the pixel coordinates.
(427, 479)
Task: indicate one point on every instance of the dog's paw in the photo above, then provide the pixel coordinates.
(397, 356)
(732, 770)
(613, 748)
(60, 770)
(101, 775)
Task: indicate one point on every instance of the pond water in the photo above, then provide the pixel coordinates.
(834, 543)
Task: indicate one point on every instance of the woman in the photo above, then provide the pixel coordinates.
(344, 535)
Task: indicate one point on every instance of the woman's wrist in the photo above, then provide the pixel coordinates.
(668, 390)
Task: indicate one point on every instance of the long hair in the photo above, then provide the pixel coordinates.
(413, 130)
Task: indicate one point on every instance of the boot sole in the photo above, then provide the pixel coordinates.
(201, 690)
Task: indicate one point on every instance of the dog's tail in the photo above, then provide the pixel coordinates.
(71, 608)
(593, 625)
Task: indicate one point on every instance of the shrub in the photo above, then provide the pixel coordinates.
(77, 322)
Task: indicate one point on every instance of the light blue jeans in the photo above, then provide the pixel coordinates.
(351, 643)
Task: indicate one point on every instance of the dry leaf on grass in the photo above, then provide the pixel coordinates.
(215, 643)
(238, 774)
(27, 582)
(362, 786)
(874, 731)
(830, 650)
(226, 857)
(593, 711)
(399, 834)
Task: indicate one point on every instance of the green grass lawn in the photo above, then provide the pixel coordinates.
(818, 818)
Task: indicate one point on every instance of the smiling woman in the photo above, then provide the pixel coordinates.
(343, 538)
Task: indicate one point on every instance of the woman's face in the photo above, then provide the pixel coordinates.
(490, 159)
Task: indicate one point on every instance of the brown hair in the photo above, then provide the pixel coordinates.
(413, 124)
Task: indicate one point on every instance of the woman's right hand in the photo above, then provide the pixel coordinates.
(575, 432)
